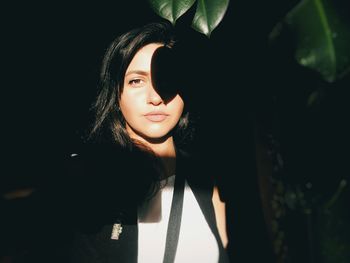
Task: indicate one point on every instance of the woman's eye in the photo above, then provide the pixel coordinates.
(136, 82)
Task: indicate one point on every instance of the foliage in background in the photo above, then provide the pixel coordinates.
(208, 14)
(322, 38)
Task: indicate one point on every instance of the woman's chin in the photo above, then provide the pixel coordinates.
(155, 136)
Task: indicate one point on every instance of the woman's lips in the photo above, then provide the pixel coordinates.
(156, 116)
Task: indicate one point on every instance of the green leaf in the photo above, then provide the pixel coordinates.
(208, 15)
(171, 9)
(322, 37)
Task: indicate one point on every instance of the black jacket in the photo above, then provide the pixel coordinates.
(75, 215)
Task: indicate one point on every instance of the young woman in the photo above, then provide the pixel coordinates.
(133, 195)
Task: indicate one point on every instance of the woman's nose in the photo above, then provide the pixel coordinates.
(153, 97)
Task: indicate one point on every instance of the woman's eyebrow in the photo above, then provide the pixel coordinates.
(139, 72)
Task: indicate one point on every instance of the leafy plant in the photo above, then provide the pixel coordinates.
(322, 38)
(209, 13)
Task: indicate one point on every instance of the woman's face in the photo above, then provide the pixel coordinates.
(148, 116)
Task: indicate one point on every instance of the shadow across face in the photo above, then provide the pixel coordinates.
(169, 70)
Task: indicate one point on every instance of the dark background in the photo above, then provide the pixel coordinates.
(52, 54)
(51, 58)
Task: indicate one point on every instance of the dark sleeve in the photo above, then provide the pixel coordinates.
(109, 181)
(99, 186)
(82, 193)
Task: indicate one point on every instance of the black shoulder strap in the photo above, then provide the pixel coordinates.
(174, 223)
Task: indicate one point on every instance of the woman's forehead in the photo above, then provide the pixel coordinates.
(142, 59)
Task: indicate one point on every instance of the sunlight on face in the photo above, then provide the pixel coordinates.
(147, 115)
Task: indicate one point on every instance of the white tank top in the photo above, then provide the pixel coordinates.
(196, 241)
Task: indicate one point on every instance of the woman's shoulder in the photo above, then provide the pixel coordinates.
(111, 173)
(101, 164)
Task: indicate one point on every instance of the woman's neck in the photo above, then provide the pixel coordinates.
(165, 150)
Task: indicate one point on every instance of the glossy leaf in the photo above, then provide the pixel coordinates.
(322, 38)
(208, 15)
(171, 9)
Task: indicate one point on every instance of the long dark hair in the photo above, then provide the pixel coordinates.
(109, 123)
